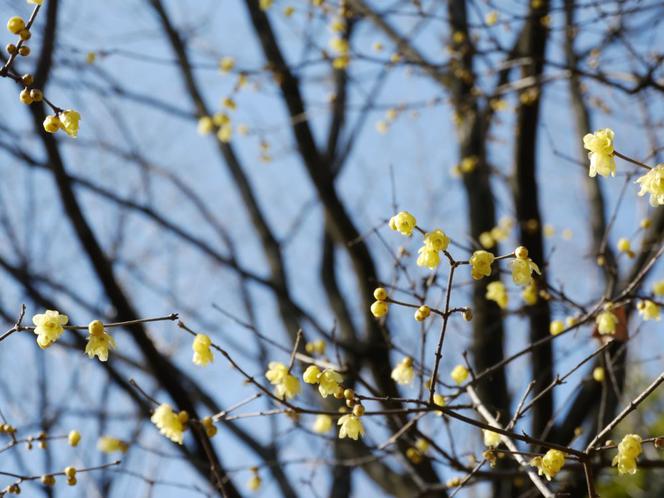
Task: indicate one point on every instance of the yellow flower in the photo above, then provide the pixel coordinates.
(556, 327)
(99, 341)
(658, 288)
(486, 240)
(497, 292)
(491, 439)
(459, 374)
(15, 25)
(529, 294)
(436, 240)
(311, 374)
(205, 125)
(403, 373)
(202, 352)
(322, 424)
(168, 423)
(629, 450)
(649, 310)
(225, 133)
(422, 313)
(550, 464)
(653, 183)
(52, 124)
(351, 426)
(523, 267)
(600, 145)
(491, 18)
(598, 374)
(49, 327)
(625, 246)
(380, 294)
(428, 258)
(108, 444)
(315, 347)
(606, 321)
(226, 64)
(286, 385)
(403, 222)
(74, 438)
(254, 482)
(379, 309)
(328, 382)
(480, 263)
(69, 120)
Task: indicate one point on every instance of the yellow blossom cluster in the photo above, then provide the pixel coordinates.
(202, 352)
(286, 385)
(403, 373)
(523, 267)
(606, 321)
(99, 341)
(169, 423)
(480, 263)
(629, 450)
(550, 464)
(380, 307)
(328, 380)
(403, 222)
(429, 253)
(497, 292)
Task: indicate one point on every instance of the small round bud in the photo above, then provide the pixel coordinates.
(349, 393)
(521, 252)
(74, 438)
(24, 51)
(70, 472)
(37, 95)
(645, 223)
(350, 403)
(27, 79)
(379, 309)
(358, 410)
(72, 481)
(25, 97)
(601, 260)
(11, 48)
(339, 393)
(422, 313)
(25, 34)
(15, 25)
(48, 480)
(380, 294)
(468, 314)
(52, 124)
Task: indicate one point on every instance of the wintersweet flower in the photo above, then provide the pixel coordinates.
(49, 326)
(428, 258)
(523, 267)
(436, 240)
(550, 464)
(328, 382)
(556, 327)
(15, 25)
(351, 426)
(497, 292)
(380, 294)
(629, 450)
(422, 313)
(648, 310)
(286, 385)
(403, 222)
(491, 439)
(606, 321)
(658, 288)
(379, 309)
(653, 183)
(202, 352)
(598, 374)
(600, 145)
(322, 424)
(69, 120)
(459, 374)
(108, 444)
(99, 341)
(480, 263)
(311, 374)
(73, 438)
(403, 373)
(205, 125)
(529, 294)
(168, 423)
(52, 124)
